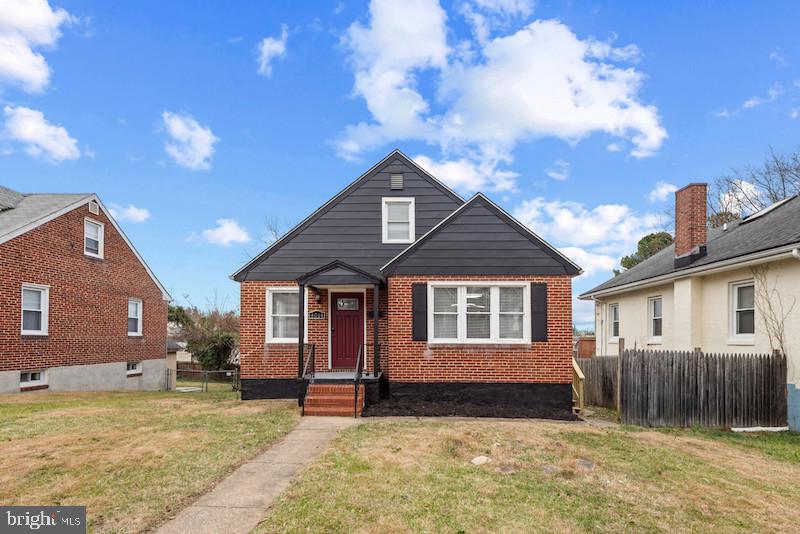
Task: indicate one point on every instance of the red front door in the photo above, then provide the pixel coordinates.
(347, 328)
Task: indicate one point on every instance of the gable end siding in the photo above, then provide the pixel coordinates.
(479, 241)
(350, 229)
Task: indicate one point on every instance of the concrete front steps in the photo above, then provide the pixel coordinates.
(333, 399)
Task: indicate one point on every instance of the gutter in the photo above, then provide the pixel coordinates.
(788, 251)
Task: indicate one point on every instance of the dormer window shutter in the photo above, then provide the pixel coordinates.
(538, 311)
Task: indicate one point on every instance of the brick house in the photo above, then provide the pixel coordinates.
(474, 310)
(80, 308)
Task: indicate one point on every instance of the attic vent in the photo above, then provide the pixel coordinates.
(94, 209)
(396, 181)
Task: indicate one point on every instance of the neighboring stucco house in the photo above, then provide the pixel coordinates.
(719, 290)
(472, 306)
(81, 309)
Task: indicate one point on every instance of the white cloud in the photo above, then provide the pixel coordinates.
(559, 170)
(226, 233)
(191, 145)
(41, 139)
(614, 147)
(487, 16)
(490, 99)
(608, 227)
(794, 113)
(776, 56)
(662, 191)
(469, 175)
(271, 48)
(590, 262)
(26, 26)
(130, 213)
(735, 199)
(582, 312)
(772, 93)
(724, 114)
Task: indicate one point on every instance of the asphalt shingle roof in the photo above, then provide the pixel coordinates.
(18, 210)
(776, 228)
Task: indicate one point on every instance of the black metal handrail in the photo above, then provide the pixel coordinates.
(307, 377)
(357, 377)
(310, 367)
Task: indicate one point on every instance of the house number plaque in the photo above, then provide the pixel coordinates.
(316, 315)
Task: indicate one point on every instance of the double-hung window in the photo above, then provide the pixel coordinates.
(35, 305)
(398, 219)
(134, 317)
(613, 320)
(479, 313)
(743, 312)
(283, 312)
(655, 314)
(93, 238)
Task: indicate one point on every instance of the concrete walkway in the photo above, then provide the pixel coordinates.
(240, 502)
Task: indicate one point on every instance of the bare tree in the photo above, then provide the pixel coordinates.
(272, 230)
(752, 188)
(771, 307)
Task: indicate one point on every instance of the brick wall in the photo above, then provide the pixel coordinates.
(260, 359)
(88, 317)
(543, 362)
(691, 227)
(414, 361)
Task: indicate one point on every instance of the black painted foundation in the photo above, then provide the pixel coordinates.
(269, 388)
(476, 399)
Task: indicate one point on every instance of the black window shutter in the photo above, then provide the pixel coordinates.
(419, 312)
(538, 311)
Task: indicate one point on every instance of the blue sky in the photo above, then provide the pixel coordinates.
(210, 118)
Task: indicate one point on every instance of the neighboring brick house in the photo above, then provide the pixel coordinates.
(474, 310)
(80, 308)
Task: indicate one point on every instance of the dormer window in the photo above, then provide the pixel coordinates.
(398, 220)
(93, 238)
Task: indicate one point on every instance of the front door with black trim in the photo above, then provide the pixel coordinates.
(347, 328)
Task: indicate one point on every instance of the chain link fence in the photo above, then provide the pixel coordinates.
(201, 381)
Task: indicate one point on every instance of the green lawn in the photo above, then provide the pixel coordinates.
(416, 476)
(131, 458)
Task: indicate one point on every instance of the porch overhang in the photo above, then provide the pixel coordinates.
(339, 273)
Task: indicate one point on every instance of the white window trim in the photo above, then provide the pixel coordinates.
(494, 324)
(733, 337)
(45, 291)
(268, 314)
(611, 337)
(652, 338)
(33, 383)
(135, 371)
(100, 234)
(385, 201)
(140, 318)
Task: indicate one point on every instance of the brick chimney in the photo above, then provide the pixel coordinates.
(691, 229)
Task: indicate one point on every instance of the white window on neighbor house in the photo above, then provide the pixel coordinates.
(478, 312)
(743, 312)
(283, 311)
(655, 314)
(134, 368)
(35, 306)
(93, 238)
(29, 379)
(398, 219)
(613, 320)
(134, 317)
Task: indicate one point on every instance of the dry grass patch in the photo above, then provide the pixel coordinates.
(131, 458)
(541, 477)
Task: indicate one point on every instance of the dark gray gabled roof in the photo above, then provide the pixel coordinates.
(338, 273)
(348, 227)
(778, 227)
(481, 238)
(19, 211)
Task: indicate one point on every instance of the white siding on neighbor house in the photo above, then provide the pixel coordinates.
(697, 313)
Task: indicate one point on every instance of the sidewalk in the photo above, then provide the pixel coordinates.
(240, 502)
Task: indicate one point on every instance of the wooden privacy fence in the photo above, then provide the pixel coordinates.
(600, 383)
(671, 388)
